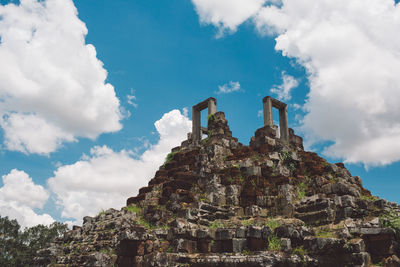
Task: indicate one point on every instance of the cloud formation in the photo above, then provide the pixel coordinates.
(228, 88)
(283, 90)
(52, 86)
(19, 196)
(350, 50)
(106, 178)
(226, 15)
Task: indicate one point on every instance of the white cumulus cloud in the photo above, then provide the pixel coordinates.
(283, 90)
(351, 51)
(52, 86)
(227, 15)
(19, 196)
(228, 88)
(106, 178)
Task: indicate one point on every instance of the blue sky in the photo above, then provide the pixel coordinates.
(95, 122)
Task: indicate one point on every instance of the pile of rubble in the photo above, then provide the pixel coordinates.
(216, 202)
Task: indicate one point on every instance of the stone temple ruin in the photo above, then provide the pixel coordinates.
(216, 202)
(197, 130)
(268, 104)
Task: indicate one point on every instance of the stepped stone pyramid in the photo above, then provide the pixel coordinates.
(217, 202)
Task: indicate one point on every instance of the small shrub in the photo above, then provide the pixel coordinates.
(324, 233)
(241, 179)
(210, 118)
(204, 140)
(274, 166)
(369, 197)
(391, 220)
(106, 251)
(286, 155)
(216, 224)
(274, 243)
(288, 161)
(101, 212)
(272, 224)
(246, 222)
(301, 190)
(142, 221)
(133, 208)
(325, 163)
(300, 251)
(169, 157)
(230, 180)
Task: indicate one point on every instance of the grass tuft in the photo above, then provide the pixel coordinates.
(274, 243)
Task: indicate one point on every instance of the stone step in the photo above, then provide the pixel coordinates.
(211, 208)
(319, 217)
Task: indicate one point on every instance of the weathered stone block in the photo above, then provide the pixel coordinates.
(274, 156)
(253, 210)
(241, 232)
(361, 259)
(262, 201)
(203, 245)
(266, 232)
(232, 194)
(284, 205)
(348, 201)
(223, 234)
(357, 245)
(348, 212)
(270, 141)
(222, 246)
(392, 261)
(185, 246)
(323, 246)
(256, 244)
(286, 244)
(254, 231)
(253, 171)
(203, 233)
(239, 244)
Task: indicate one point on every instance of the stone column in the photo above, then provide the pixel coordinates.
(268, 104)
(196, 128)
(267, 107)
(283, 123)
(212, 106)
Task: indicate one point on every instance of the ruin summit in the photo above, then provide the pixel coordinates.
(217, 202)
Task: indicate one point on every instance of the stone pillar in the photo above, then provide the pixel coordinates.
(283, 123)
(268, 104)
(196, 128)
(267, 107)
(211, 104)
